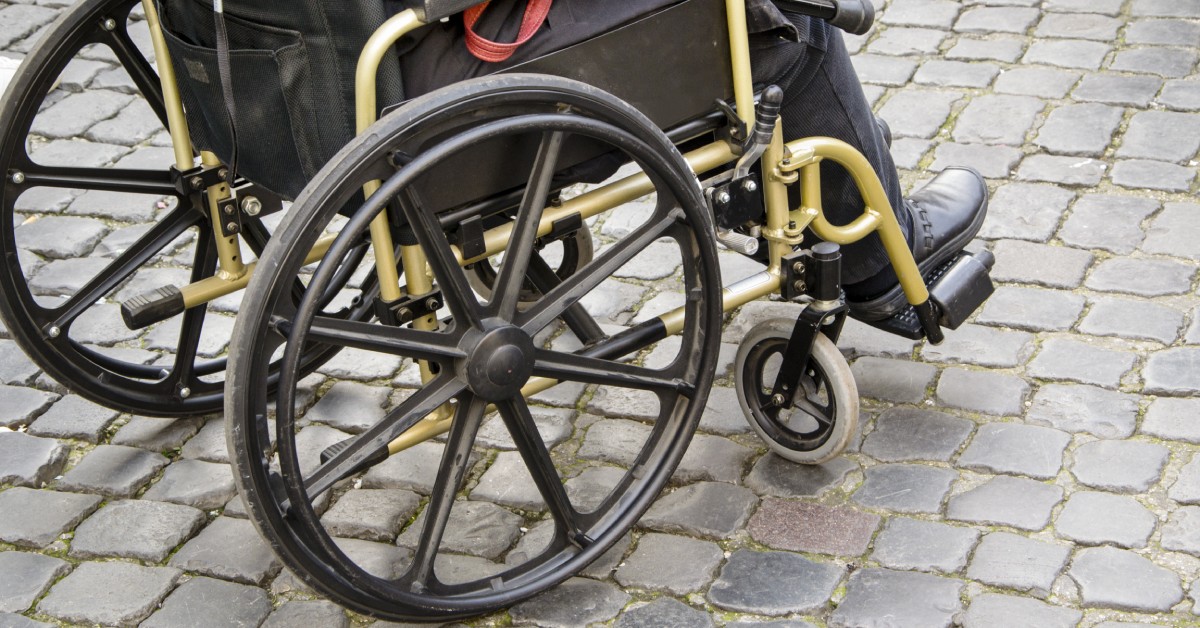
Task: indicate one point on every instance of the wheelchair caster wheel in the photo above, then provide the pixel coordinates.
(817, 423)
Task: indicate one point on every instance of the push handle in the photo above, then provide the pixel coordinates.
(852, 16)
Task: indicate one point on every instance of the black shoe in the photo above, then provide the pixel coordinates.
(947, 214)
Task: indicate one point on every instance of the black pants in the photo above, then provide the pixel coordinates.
(806, 57)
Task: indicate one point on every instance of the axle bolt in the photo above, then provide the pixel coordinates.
(251, 205)
(54, 332)
(185, 392)
(17, 177)
(750, 186)
(109, 24)
(778, 399)
(723, 197)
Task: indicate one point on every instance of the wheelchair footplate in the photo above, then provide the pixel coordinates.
(957, 288)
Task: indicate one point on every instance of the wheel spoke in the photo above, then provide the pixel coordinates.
(418, 345)
(398, 421)
(578, 368)
(553, 304)
(155, 182)
(455, 461)
(203, 266)
(139, 70)
(525, 434)
(150, 244)
(458, 294)
(585, 328)
(506, 292)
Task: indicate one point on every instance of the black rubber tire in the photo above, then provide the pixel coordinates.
(277, 490)
(186, 384)
(827, 385)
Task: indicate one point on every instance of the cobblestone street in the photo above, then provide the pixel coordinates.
(1039, 468)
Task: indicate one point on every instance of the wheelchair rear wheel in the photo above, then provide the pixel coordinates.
(88, 220)
(509, 506)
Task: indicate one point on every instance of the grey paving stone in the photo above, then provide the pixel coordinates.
(1128, 318)
(20, 20)
(134, 124)
(413, 469)
(836, 530)
(208, 444)
(675, 564)
(908, 41)
(1032, 309)
(908, 600)
(19, 405)
(1072, 360)
(57, 237)
(905, 434)
(614, 440)
(984, 346)
(371, 514)
(908, 488)
(1025, 211)
(892, 380)
(1034, 81)
(1107, 222)
(773, 583)
(907, 153)
(997, 119)
(1164, 8)
(624, 402)
(722, 414)
(1162, 136)
(1118, 89)
(576, 602)
(861, 339)
(230, 549)
(1068, 53)
(1173, 372)
(1003, 500)
(775, 476)
(1119, 466)
(65, 277)
(1182, 531)
(1080, 171)
(508, 482)
(553, 424)
(1105, 413)
(993, 162)
(360, 365)
(154, 434)
(15, 368)
(1157, 60)
(201, 602)
(30, 461)
(143, 530)
(1174, 419)
(109, 593)
(77, 153)
(982, 391)
(990, 609)
(933, 13)
(350, 406)
(882, 70)
(1040, 264)
(1093, 518)
(32, 518)
(1167, 233)
(664, 613)
(780, 623)
(24, 577)
(1144, 277)
(704, 509)
(477, 528)
(1153, 175)
(912, 544)
(313, 613)
(113, 471)
(74, 417)
(1168, 32)
(1015, 562)
(76, 113)
(713, 458)
(918, 113)
(588, 490)
(943, 73)
(1115, 578)
(1085, 129)
(1007, 49)
(1016, 448)
(195, 483)
(996, 20)
(1181, 95)
(12, 620)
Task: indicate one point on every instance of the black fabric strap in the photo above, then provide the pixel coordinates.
(225, 70)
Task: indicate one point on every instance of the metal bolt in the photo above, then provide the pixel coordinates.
(229, 210)
(251, 205)
(109, 24)
(749, 185)
(185, 392)
(197, 183)
(723, 197)
(432, 304)
(799, 286)
(792, 224)
(231, 227)
(54, 332)
(778, 399)
(223, 173)
(798, 267)
(404, 313)
(17, 177)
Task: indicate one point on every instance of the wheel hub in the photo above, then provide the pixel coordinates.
(500, 363)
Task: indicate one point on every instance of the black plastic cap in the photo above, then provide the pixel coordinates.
(854, 16)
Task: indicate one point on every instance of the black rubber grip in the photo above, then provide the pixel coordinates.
(152, 307)
(767, 113)
(376, 457)
(854, 16)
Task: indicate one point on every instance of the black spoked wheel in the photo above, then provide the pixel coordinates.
(88, 220)
(508, 505)
(571, 252)
(817, 423)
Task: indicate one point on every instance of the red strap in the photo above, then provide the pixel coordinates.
(495, 52)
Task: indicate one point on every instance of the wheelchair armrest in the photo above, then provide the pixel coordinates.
(435, 10)
(852, 16)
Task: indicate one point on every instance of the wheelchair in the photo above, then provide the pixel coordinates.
(454, 233)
